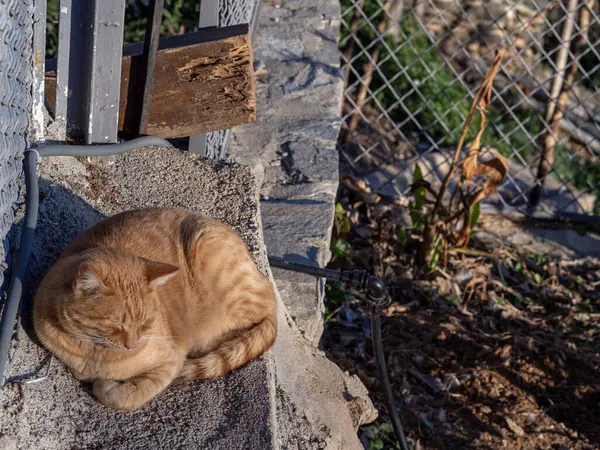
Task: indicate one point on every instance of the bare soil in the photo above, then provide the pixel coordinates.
(495, 348)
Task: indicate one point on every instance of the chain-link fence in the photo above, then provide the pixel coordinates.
(16, 18)
(412, 70)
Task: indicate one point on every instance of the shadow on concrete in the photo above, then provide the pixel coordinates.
(63, 215)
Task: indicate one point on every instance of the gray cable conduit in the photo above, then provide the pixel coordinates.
(15, 290)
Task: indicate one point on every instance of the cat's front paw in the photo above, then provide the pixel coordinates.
(115, 394)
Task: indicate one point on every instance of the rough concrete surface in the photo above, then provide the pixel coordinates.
(231, 412)
(292, 145)
(293, 397)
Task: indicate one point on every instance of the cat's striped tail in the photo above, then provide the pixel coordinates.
(231, 354)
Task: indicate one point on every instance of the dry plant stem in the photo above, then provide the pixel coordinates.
(482, 99)
(396, 15)
(561, 59)
(349, 51)
(484, 92)
(483, 96)
(368, 69)
(565, 81)
(420, 9)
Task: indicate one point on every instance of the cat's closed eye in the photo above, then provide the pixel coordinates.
(147, 324)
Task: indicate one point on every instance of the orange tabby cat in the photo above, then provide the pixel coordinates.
(150, 295)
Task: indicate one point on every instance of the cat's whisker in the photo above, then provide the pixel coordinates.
(149, 337)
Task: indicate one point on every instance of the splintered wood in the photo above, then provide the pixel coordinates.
(203, 82)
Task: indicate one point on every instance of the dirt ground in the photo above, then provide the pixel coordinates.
(494, 348)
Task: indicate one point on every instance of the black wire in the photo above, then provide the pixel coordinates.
(386, 387)
(11, 307)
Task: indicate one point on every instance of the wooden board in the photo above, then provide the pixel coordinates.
(203, 82)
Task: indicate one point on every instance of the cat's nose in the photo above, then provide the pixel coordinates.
(130, 340)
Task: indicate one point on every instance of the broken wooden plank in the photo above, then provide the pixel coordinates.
(203, 81)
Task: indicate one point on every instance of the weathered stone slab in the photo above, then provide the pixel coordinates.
(299, 230)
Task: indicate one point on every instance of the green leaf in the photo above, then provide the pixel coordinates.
(453, 299)
(387, 427)
(335, 295)
(344, 225)
(419, 193)
(537, 277)
(416, 217)
(475, 211)
(376, 444)
(342, 220)
(340, 247)
(418, 174)
(403, 236)
(437, 252)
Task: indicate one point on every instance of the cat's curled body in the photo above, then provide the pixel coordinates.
(150, 295)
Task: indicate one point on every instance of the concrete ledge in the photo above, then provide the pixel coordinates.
(230, 412)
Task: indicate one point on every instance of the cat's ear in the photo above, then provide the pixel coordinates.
(90, 279)
(158, 274)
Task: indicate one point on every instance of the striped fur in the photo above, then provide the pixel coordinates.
(150, 295)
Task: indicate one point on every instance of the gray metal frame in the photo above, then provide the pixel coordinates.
(39, 68)
(209, 18)
(89, 68)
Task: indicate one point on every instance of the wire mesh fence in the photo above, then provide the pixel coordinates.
(16, 18)
(412, 69)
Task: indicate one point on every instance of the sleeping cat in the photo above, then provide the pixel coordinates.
(150, 295)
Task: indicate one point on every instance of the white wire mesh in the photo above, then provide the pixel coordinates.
(15, 101)
(412, 70)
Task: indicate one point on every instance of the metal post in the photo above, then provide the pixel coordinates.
(62, 66)
(151, 39)
(209, 17)
(72, 64)
(39, 58)
(94, 75)
(209, 13)
(105, 71)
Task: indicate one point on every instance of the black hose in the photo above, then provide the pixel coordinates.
(32, 196)
(386, 387)
(11, 307)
